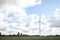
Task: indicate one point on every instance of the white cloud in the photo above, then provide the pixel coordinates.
(55, 20)
(21, 3)
(54, 23)
(28, 3)
(1, 17)
(4, 26)
(17, 8)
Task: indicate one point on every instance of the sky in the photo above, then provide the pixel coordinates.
(23, 16)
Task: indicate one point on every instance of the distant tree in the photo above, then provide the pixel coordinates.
(9, 34)
(14, 35)
(25, 35)
(57, 35)
(18, 34)
(21, 34)
(0, 33)
(3, 35)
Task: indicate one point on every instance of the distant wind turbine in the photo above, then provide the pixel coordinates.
(39, 25)
(35, 23)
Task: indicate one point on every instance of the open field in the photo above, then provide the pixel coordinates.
(29, 38)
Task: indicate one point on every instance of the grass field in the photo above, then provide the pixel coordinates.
(29, 38)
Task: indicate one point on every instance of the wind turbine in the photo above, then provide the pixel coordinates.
(35, 23)
(40, 25)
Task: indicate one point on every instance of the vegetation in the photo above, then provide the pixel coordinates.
(28, 37)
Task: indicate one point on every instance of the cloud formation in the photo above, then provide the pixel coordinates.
(14, 17)
(21, 3)
(54, 23)
(55, 20)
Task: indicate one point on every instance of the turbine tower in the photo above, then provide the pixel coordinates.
(39, 25)
(39, 22)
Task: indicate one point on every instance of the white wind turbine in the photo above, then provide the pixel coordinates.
(40, 25)
(35, 23)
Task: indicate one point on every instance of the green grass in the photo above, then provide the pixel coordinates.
(29, 38)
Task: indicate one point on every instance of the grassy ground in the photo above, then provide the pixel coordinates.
(29, 38)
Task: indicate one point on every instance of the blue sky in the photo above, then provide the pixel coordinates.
(47, 8)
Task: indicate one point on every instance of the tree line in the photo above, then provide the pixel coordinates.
(18, 34)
